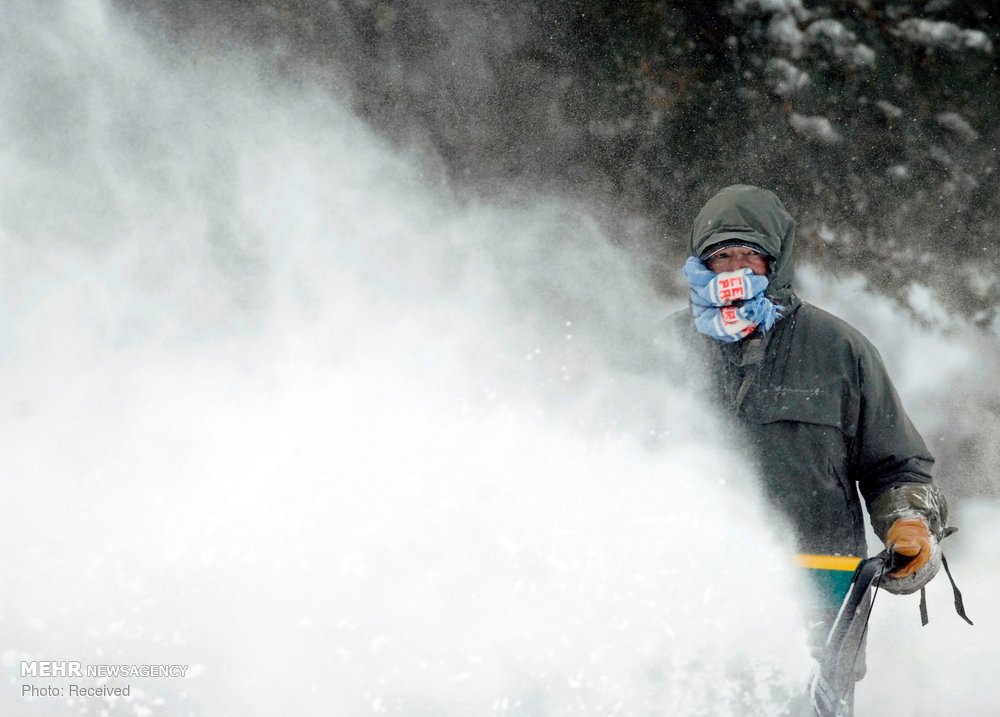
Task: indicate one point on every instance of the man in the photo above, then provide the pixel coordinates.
(817, 410)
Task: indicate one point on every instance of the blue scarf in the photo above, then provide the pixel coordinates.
(731, 305)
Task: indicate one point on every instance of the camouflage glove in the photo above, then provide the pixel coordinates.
(909, 500)
(911, 518)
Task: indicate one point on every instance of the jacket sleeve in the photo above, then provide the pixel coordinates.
(890, 459)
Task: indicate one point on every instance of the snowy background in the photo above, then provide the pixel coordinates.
(288, 403)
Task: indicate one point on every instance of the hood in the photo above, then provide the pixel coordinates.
(746, 213)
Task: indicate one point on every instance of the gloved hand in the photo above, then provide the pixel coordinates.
(910, 538)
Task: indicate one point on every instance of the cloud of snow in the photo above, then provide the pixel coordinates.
(283, 407)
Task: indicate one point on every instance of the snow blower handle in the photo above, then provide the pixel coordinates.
(833, 678)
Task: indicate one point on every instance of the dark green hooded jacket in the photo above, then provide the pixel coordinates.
(812, 399)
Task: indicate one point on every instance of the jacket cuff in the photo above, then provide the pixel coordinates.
(910, 500)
